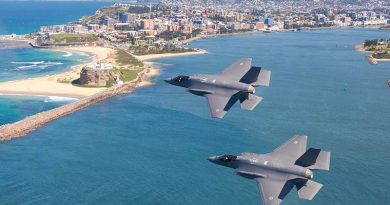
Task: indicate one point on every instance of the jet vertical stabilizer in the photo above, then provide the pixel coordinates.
(315, 159)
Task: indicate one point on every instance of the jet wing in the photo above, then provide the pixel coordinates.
(220, 103)
(291, 150)
(273, 191)
(238, 69)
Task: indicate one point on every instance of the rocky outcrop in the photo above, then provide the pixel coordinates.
(94, 77)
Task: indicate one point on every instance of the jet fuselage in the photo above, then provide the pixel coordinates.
(252, 165)
(206, 83)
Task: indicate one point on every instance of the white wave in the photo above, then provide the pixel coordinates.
(29, 62)
(36, 65)
(67, 54)
(26, 67)
(59, 99)
(53, 63)
(45, 97)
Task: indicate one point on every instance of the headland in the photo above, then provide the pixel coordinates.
(377, 50)
(61, 85)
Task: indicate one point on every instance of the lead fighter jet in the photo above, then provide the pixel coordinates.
(276, 173)
(222, 90)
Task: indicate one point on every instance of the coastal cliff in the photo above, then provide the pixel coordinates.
(23, 127)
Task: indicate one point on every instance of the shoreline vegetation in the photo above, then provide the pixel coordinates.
(377, 50)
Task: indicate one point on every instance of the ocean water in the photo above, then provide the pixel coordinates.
(16, 107)
(151, 146)
(26, 62)
(23, 17)
(18, 62)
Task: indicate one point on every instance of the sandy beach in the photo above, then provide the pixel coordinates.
(49, 85)
(360, 48)
(167, 55)
(52, 86)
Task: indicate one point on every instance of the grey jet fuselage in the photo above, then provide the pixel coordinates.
(204, 84)
(223, 90)
(276, 173)
(252, 165)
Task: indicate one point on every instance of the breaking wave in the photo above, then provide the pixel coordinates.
(39, 65)
(29, 62)
(58, 99)
(67, 54)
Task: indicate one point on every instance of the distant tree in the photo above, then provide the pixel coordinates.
(221, 18)
(223, 30)
(196, 32)
(169, 35)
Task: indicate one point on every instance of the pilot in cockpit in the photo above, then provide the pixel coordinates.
(181, 78)
(227, 158)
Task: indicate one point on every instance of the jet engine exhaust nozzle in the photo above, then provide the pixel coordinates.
(251, 89)
(309, 174)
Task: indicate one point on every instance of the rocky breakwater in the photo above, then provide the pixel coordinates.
(23, 127)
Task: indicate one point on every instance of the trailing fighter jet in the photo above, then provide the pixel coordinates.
(222, 90)
(276, 173)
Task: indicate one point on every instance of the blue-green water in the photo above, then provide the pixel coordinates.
(150, 147)
(23, 17)
(24, 62)
(13, 108)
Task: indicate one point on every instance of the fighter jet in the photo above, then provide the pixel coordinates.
(222, 90)
(276, 173)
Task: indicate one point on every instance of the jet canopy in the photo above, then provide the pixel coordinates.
(181, 78)
(227, 158)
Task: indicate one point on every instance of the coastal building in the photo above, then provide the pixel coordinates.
(131, 19)
(109, 22)
(74, 28)
(147, 24)
(268, 21)
(187, 29)
(259, 26)
(93, 27)
(52, 29)
(123, 16)
(122, 26)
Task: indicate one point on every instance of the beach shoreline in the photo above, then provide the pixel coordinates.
(51, 86)
(23, 127)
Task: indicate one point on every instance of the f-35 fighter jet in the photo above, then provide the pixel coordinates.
(222, 90)
(276, 173)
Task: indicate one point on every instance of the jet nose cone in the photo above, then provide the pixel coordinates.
(168, 80)
(212, 159)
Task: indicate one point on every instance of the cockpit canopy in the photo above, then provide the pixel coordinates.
(227, 158)
(181, 78)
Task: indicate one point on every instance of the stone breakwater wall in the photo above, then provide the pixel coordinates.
(28, 124)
